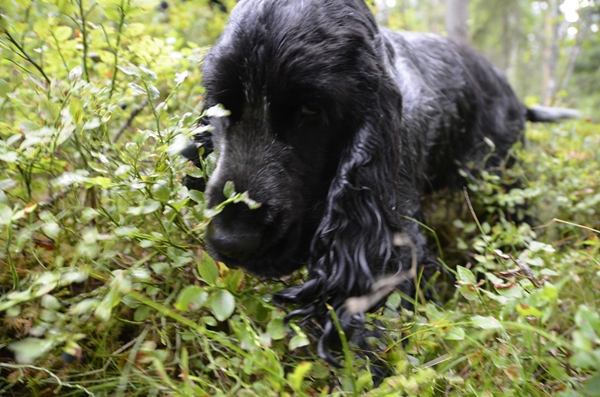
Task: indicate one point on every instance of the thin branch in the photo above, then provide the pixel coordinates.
(556, 220)
(129, 120)
(26, 56)
(85, 44)
(116, 50)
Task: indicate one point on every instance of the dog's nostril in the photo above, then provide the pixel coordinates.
(239, 244)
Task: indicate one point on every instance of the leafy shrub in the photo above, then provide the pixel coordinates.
(105, 288)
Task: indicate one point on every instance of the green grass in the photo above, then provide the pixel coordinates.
(105, 289)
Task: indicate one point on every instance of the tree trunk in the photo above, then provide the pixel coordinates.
(552, 50)
(583, 31)
(457, 17)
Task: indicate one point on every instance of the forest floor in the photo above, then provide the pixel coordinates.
(106, 291)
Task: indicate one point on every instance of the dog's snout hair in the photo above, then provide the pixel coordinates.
(338, 127)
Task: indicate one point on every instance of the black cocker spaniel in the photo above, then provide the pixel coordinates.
(337, 128)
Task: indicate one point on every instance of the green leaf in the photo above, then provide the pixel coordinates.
(84, 307)
(455, 333)
(245, 198)
(486, 322)
(104, 309)
(128, 231)
(51, 303)
(217, 111)
(161, 268)
(112, 13)
(73, 276)
(148, 74)
(276, 329)
(109, 2)
(24, 3)
(298, 375)
(550, 293)
(63, 33)
(208, 268)
(468, 292)
(191, 298)
(142, 313)
(179, 143)
(583, 360)
(514, 292)
(592, 386)
(222, 304)
(48, 316)
(536, 246)
(137, 88)
(229, 189)
(12, 311)
(235, 280)
(150, 206)
(364, 381)
(298, 341)
(130, 72)
(65, 7)
(465, 275)
(5, 214)
(493, 279)
(394, 300)
(154, 91)
(320, 371)
(196, 195)
(147, 243)
(498, 298)
(29, 349)
(588, 322)
(92, 124)
(180, 77)
(41, 27)
(161, 191)
(49, 110)
(489, 142)
(458, 223)
(526, 311)
(7, 154)
(99, 181)
(470, 227)
(5, 88)
(51, 229)
(486, 228)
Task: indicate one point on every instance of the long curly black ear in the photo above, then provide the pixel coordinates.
(202, 140)
(353, 245)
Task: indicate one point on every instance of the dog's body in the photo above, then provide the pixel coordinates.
(338, 128)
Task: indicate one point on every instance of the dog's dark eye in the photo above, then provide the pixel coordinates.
(309, 110)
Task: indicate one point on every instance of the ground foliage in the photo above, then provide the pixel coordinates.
(105, 289)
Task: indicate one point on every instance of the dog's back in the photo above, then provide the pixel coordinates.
(452, 99)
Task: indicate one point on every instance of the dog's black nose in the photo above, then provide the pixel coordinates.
(234, 244)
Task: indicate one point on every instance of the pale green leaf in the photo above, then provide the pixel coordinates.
(29, 349)
(208, 268)
(486, 322)
(222, 304)
(191, 298)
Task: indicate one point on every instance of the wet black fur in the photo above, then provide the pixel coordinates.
(397, 114)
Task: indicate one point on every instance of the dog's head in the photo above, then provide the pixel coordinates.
(301, 79)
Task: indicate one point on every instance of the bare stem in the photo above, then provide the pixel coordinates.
(26, 56)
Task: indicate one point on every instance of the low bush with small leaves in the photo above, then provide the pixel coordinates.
(105, 289)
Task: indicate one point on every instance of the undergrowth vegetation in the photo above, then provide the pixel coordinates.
(105, 289)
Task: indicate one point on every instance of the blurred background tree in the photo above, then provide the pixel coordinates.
(550, 50)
